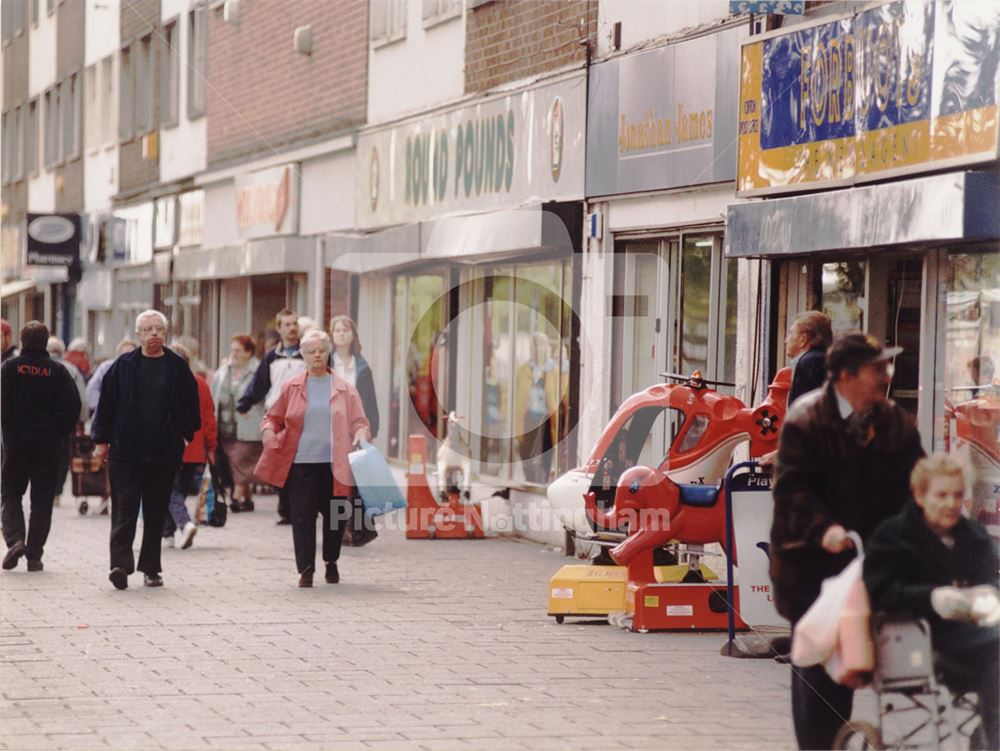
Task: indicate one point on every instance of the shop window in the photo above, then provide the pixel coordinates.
(840, 290)
(968, 412)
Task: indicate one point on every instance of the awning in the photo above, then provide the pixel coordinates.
(954, 207)
(16, 287)
(278, 255)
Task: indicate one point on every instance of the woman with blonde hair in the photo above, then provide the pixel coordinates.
(353, 368)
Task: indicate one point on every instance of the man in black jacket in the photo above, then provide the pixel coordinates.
(147, 412)
(39, 409)
(931, 562)
(844, 461)
(279, 365)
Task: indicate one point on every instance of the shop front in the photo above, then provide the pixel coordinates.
(660, 172)
(913, 260)
(468, 277)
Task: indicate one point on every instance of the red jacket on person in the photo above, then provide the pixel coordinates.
(206, 439)
(286, 417)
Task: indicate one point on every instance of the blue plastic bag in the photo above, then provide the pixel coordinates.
(374, 481)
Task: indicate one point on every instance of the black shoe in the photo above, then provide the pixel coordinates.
(362, 537)
(152, 580)
(35, 565)
(235, 506)
(118, 577)
(306, 579)
(248, 505)
(14, 553)
(332, 574)
(283, 521)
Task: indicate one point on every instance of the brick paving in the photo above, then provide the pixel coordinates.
(424, 645)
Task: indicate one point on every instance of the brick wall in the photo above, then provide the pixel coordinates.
(263, 95)
(139, 18)
(70, 42)
(507, 40)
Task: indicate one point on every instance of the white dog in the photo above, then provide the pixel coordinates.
(454, 454)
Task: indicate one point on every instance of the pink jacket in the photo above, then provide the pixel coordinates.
(285, 418)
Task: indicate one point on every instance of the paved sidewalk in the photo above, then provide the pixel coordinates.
(424, 644)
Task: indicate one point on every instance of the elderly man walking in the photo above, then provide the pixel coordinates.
(844, 462)
(39, 405)
(148, 410)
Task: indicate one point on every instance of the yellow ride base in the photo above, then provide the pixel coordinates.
(584, 590)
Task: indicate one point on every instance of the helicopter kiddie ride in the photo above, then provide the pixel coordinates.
(640, 510)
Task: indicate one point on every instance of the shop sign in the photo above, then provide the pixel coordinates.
(267, 202)
(164, 222)
(664, 118)
(191, 211)
(902, 88)
(53, 240)
(499, 153)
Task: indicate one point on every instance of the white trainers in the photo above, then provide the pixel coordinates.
(168, 541)
(184, 537)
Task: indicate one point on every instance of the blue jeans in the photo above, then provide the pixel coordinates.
(188, 478)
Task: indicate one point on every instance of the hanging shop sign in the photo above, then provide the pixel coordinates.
(53, 240)
(267, 202)
(498, 153)
(664, 118)
(901, 88)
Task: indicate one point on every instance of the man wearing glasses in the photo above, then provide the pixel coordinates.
(147, 412)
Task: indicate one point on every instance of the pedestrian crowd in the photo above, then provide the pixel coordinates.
(849, 466)
(160, 422)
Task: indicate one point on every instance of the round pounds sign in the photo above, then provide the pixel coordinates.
(53, 239)
(556, 138)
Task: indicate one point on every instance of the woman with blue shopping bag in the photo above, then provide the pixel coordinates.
(308, 433)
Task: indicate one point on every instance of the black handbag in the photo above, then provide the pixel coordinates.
(219, 511)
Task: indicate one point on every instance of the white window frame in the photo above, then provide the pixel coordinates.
(126, 94)
(387, 22)
(170, 85)
(435, 12)
(197, 61)
(92, 113)
(50, 115)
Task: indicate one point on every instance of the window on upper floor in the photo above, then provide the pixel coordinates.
(169, 75)
(34, 12)
(5, 22)
(50, 118)
(145, 85)
(18, 10)
(50, 7)
(31, 139)
(5, 131)
(74, 131)
(197, 58)
(18, 156)
(436, 11)
(126, 97)
(388, 21)
(107, 101)
(92, 112)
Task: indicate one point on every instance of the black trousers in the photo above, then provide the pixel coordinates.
(23, 465)
(132, 483)
(310, 487)
(283, 511)
(62, 469)
(819, 707)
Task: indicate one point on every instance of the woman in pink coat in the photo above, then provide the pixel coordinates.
(308, 433)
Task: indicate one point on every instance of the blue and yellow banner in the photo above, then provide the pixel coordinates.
(904, 87)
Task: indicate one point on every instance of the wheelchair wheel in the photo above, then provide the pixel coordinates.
(857, 735)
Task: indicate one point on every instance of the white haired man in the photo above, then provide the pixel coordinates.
(147, 412)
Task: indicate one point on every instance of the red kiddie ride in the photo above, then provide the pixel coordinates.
(641, 509)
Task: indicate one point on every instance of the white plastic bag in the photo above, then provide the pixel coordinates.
(814, 639)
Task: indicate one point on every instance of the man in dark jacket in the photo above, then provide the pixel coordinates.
(147, 412)
(844, 461)
(931, 562)
(278, 366)
(39, 407)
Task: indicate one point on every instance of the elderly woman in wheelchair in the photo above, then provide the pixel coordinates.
(931, 562)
